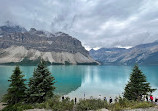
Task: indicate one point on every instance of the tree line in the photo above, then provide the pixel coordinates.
(41, 86)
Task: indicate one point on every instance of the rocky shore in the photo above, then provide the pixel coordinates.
(1, 106)
(139, 109)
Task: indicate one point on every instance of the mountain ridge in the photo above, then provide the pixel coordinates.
(144, 54)
(60, 47)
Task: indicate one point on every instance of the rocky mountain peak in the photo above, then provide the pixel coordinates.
(8, 29)
(140, 54)
(40, 40)
(33, 44)
(32, 30)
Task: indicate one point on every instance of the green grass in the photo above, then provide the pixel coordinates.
(143, 105)
(89, 104)
(18, 107)
(56, 105)
(126, 104)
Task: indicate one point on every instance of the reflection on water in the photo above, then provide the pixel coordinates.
(75, 81)
(102, 80)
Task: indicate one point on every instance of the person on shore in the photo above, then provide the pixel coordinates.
(62, 98)
(105, 99)
(156, 99)
(99, 97)
(151, 98)
(116, 99)
(146, 98)
(75, 100)
(110, 100)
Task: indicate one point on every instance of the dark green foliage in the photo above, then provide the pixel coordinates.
(91, 104)
(137, 85)
(123, 103)
(18, 107)
(16, 91)
(56, 105)
(41, 84)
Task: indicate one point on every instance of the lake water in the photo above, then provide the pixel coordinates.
(77, 81)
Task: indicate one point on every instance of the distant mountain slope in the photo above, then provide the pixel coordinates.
(141, 54)
(19, 45)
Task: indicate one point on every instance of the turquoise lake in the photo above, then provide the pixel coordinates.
(75, 81)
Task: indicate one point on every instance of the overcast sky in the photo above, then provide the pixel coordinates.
(97, 23)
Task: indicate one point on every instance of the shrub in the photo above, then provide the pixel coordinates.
(115, 107)
(18, 107)
(143, 105)
(56, 104)
(91, 104)
(129, 104)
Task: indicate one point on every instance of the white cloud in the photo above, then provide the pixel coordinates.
(96, 23)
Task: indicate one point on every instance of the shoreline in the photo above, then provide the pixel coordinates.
(1, 106)
(154, 108)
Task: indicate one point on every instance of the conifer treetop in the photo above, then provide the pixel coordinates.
(137, 85)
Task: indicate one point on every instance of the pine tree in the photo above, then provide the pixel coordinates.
(137, 85)
(16, 91)
(41, 85)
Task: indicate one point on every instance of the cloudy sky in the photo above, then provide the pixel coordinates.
(97, 23)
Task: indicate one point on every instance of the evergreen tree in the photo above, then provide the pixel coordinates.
(16, 91)
(137, 85)
(41, 85)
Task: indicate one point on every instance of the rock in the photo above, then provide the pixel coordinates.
(141, 54)
(29, 46)
(19, 54)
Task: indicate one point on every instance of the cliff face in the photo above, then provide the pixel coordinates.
(146, 54)
(19, 45)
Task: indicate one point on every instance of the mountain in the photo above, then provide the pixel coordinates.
(146, 54)
(17, 45)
